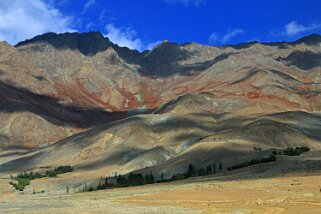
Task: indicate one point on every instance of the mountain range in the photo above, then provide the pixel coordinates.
(79, 99)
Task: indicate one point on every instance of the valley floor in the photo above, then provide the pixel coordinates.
(283, 194)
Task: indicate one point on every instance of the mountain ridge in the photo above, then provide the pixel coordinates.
(311, 39)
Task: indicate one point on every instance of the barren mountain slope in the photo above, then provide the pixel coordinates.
(54, 86)
(171, 141)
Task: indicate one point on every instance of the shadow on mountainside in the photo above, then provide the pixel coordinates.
(304, 60)
(18, 99)
(163, 61)
(279, 130)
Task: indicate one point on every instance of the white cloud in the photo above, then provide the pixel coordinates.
(20, 20)
(215, 37)
(230, 34)
(87, 5)
(187, 2)
(127, 37)
(293, 28)
(152, 45)
(90, 25)
(102, 15)
(255, 39)
(124, 37)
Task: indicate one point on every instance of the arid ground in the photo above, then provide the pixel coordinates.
(290, 194)
(255, 189)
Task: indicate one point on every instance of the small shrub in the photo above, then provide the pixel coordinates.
(22, 183)
(51, 173)
(63, 169)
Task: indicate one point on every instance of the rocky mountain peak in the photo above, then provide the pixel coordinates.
(87, 43)
(166, 52)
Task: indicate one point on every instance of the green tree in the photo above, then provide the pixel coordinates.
(106, 181)
(191, 171)
(201, 172)
(149, 179)
(209, 170)
(220, 166)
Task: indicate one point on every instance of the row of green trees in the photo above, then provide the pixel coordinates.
(51, 173)
(23, 179)
(58, 170)
(208, 170)
(137, 179)
(288, 151)
(132, 179)
(192, 171)
(252, 162)
(292, 151)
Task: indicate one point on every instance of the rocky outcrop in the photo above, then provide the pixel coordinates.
(86, 43)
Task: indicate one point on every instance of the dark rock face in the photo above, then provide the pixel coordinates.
(243, 45)
(87, 43)
(164, 58)
(310, 40)
(304, 60)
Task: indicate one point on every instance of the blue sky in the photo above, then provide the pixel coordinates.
(141, 24)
